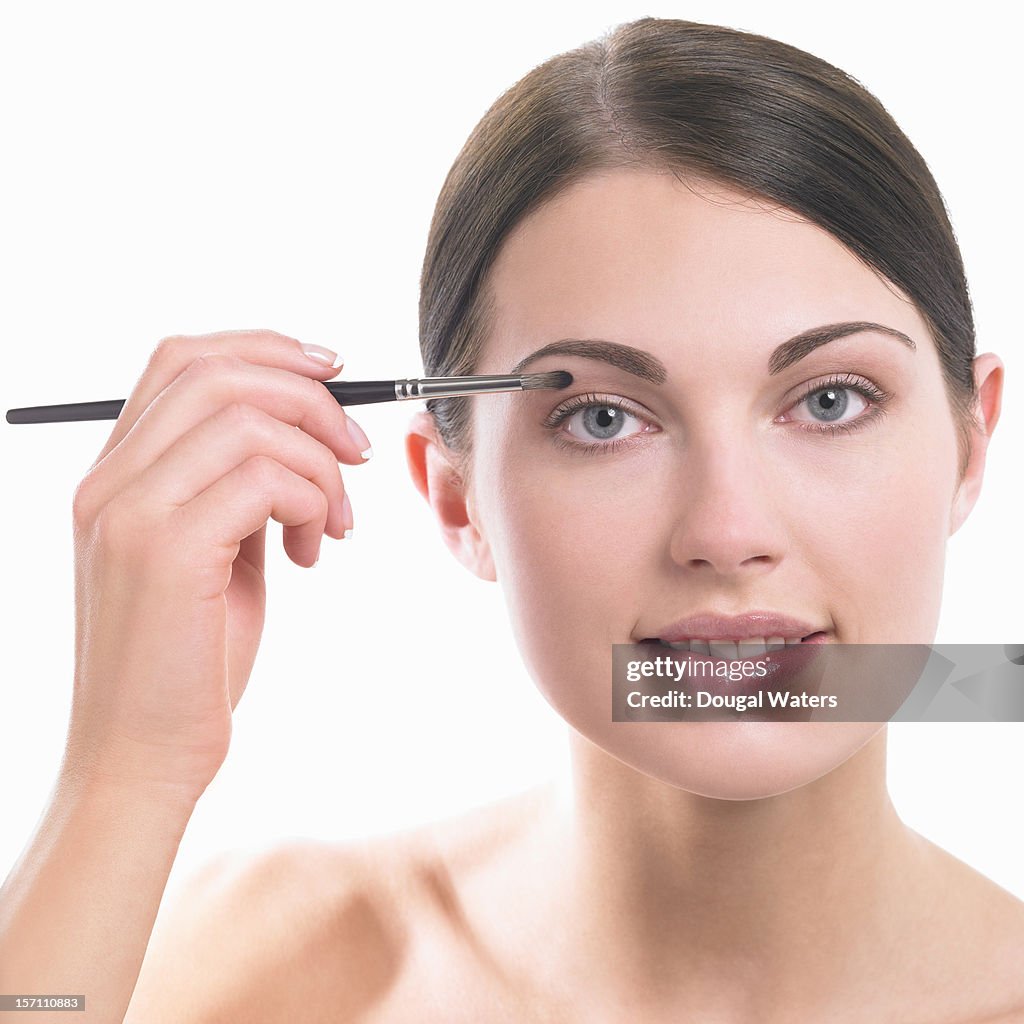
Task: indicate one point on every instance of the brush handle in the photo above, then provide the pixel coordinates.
(65, 413)
(346, 392)
(361, 392)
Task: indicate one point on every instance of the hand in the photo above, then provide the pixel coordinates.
(221, 432)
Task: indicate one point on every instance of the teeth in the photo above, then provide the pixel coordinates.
(752, 648)
(724, 649)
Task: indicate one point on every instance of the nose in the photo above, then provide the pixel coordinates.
(727, 515)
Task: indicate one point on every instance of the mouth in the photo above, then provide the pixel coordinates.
(750, 647)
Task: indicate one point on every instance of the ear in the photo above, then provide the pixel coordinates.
(436, 477)
(988, 373)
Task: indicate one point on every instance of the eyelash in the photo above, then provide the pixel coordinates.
(846, 381)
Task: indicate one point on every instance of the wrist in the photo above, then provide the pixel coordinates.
(137, 771)
(110, 787)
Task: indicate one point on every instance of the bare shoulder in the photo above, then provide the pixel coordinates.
(1001, 917)
(304, 929)
(981, 928)
(310, 929)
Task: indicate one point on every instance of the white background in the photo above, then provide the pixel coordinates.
(201, 166)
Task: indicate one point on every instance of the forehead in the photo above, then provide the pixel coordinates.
(638, 255)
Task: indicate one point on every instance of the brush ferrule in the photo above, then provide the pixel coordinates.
(453, 387)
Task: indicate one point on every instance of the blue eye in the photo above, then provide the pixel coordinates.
(829, 400)
(599, 420)
(602, 420)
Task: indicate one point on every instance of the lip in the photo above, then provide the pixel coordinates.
(736, 628)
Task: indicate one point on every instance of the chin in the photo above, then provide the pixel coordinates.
(735, 760)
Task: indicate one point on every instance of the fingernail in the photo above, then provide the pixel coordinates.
(357, 435)
(322, 355)
(346, 514)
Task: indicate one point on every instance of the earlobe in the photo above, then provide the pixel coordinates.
(437, 478)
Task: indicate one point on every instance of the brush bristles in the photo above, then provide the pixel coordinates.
(553, 379)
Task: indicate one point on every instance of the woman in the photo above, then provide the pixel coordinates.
(750, 274)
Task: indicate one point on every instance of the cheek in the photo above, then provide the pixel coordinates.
(563, 554)
(570, 577)
(874, 542)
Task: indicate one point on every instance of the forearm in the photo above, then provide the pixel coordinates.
(77, 909)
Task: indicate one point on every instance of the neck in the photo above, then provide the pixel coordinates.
(779, 897)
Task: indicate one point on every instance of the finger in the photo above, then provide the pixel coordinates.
(177, 351)
(240, 502)
(229, 437)
(253, 549)
(211, 382)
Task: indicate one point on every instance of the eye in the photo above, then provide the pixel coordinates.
(837, 405)
(601, 423)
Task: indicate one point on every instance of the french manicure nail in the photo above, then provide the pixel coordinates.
(322, 355)
(357, 435)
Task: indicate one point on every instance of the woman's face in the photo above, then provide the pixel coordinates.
(725, 487)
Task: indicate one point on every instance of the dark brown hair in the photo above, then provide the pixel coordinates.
(750, 112)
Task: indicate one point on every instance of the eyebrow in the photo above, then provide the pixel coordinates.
(642, 364)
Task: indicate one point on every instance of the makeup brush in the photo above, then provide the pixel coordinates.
(346, 392)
